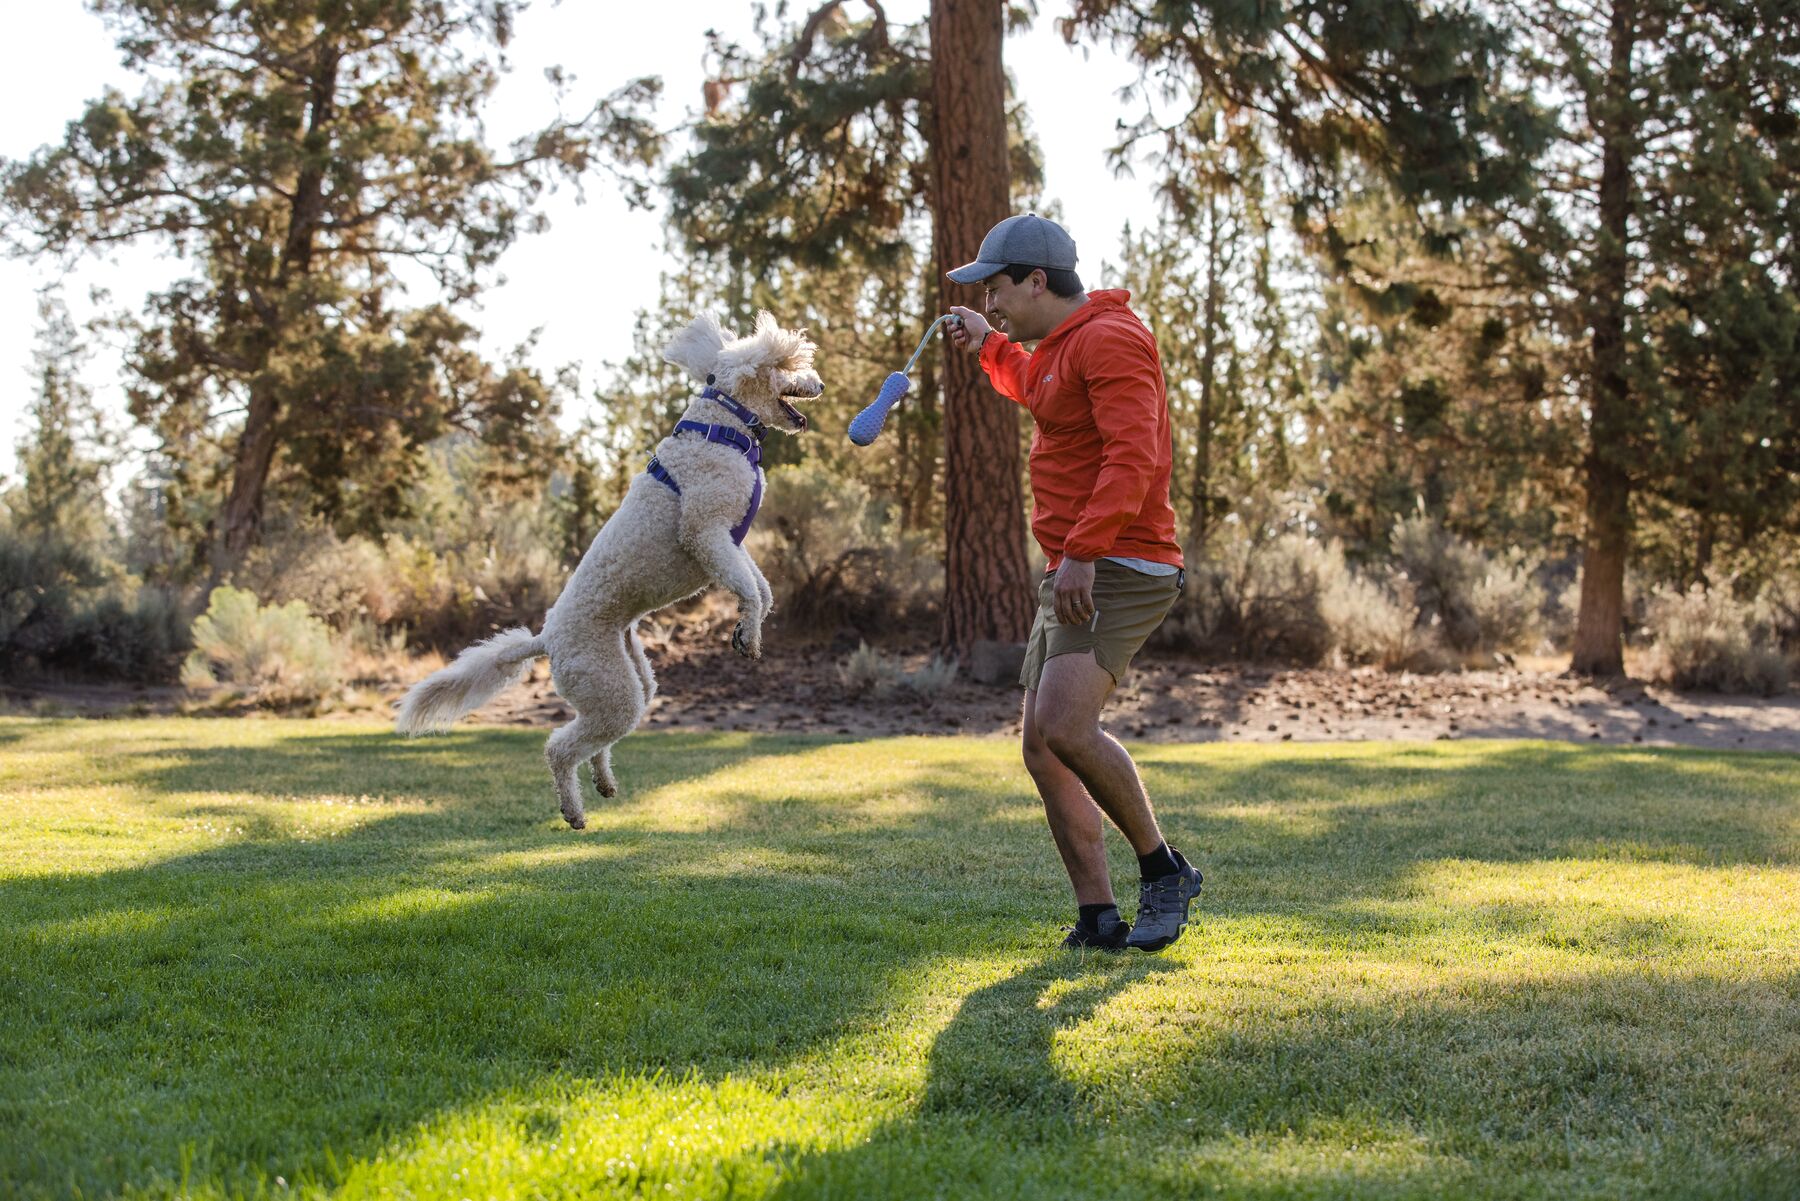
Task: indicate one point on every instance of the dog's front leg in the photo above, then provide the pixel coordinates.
(731, 568)
(762, 584)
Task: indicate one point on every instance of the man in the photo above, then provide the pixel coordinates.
(1100, 458)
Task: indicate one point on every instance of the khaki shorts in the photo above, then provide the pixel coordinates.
(1128, 605)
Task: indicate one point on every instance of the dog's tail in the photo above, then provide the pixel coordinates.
(480, 673)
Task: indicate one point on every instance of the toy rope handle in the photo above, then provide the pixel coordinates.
(927, 338)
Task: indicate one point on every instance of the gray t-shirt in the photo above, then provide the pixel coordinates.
(1144, 565)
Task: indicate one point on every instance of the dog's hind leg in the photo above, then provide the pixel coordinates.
(605, 783)
(608, 699)
(601, 760)
(634, 650)
(608, 692)
(567, 747)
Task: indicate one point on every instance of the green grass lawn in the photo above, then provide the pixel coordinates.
(286, 958)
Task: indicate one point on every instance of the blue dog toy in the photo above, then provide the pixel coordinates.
(867, 426)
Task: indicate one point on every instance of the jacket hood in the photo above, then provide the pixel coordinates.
(1101, 303)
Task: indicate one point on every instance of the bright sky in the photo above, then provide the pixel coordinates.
(584, 279)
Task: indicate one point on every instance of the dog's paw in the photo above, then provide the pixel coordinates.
(575, 817)
(741, 643)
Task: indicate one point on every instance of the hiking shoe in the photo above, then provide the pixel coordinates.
(1109, 936)
(1163, 907)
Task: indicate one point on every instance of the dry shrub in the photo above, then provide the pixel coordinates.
(834, 557)
(436, 597)
(451, 598)
(1479, 603)
(374, 654)
(68, 610)
(1297, 600)
(339, 580)
(137, 634)
(1254, 599)
(1377, 623)
(1780, 602)
(1707, 639)
(279, 652)
(1509, 605)
(868, 671)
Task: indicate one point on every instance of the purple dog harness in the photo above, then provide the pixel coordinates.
(725, 435)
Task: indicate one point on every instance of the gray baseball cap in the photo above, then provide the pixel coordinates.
(1026, 240)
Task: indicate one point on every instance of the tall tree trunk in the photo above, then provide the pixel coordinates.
(1599, 622)
(919, 428)
(987, 586)
(1200, 495)
(240, 522)
(1704, 540)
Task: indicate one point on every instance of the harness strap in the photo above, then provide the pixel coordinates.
(730, 405)
(725, 435)
(658, 471)
(743, 527)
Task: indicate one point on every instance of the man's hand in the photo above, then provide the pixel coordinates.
(971, 331)
(1074, 592)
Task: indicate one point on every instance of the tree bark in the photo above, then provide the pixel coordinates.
(1704, 540)
(240, 521)
(1200, 501)
(1599, 622)
(987, 586)
(921, 441)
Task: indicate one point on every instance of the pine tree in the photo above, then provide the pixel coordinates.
(840, 150)
(1598, 166)
(67, 453)
(1203, 278)
(1672, 161)
(296, 151)
(1720, 352)
(1443, 393)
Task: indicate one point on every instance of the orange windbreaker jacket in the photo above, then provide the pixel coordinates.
(1100, 454)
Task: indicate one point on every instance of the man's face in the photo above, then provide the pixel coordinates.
(1008, 305)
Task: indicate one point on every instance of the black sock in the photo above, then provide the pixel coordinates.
(1158, 863)
(1091, 915)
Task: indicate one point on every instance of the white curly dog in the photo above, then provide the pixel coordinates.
(680, 529)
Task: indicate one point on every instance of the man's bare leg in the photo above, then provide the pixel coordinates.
(1066, 714)
(1075, 821)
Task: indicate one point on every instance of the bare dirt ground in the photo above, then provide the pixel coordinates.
(1168, 701)
(704, 686)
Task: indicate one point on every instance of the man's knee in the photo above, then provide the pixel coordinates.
(1064, 732)
(1040, 760)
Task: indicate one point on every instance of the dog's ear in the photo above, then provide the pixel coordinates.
(696, 348)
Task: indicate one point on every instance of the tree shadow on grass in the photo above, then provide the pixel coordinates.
(1582, 1087)
(263, 1000)
(251, 1004)
(1381, 808)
